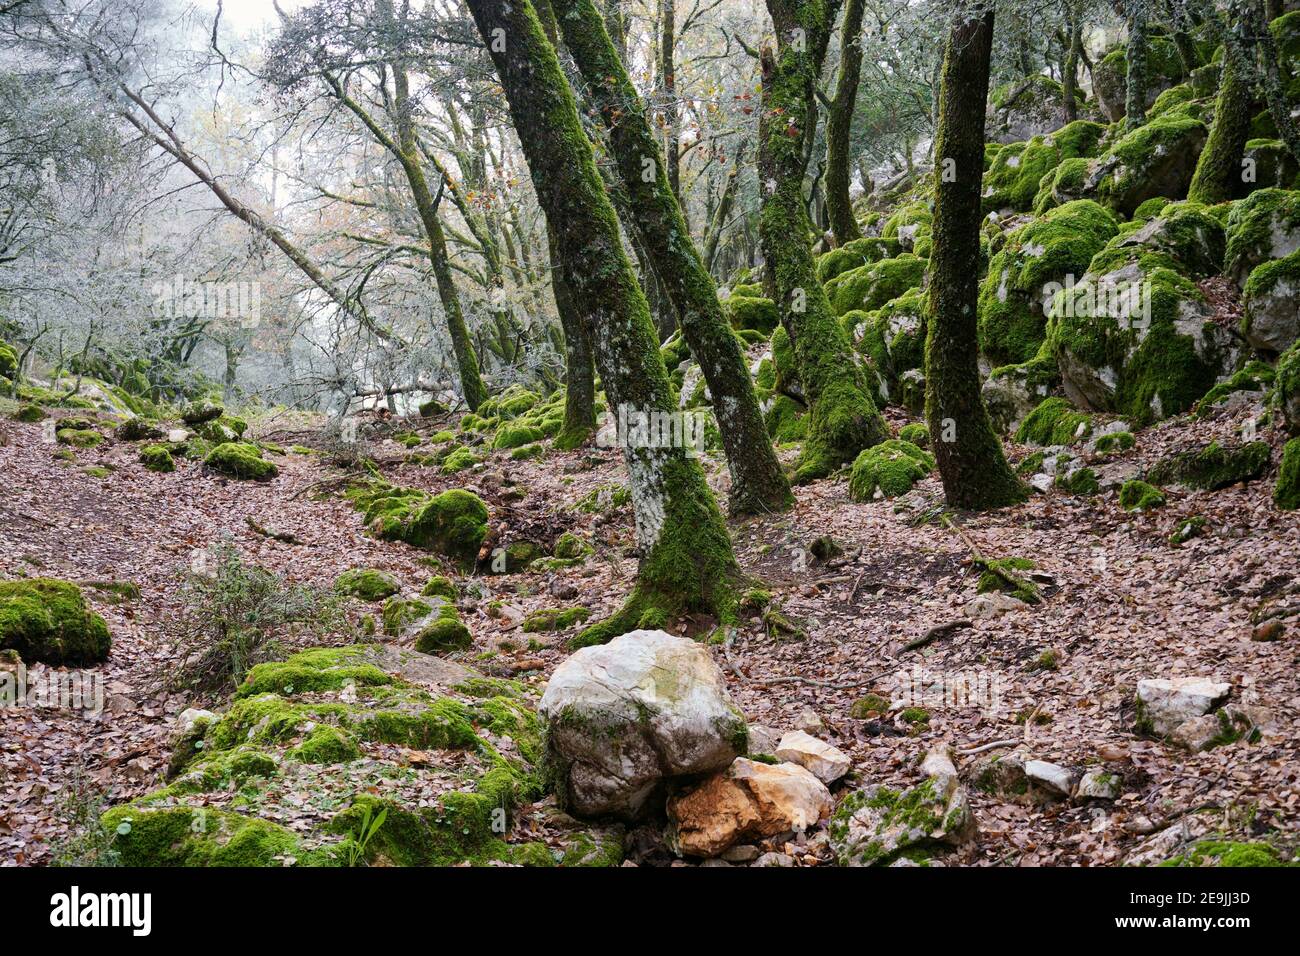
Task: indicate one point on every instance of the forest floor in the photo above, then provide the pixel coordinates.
(1122, 605)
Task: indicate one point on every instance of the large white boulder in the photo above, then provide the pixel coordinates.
(1164, 703)
(623, 718)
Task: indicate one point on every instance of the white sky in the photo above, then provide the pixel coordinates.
(249, 14)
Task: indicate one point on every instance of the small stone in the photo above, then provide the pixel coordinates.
(1050, 777)
(1098, 785)
(809, 722)
(744, 853)
(716, 862)
(1268, 631)
(177, 435)
(774, 859)
(825, 762)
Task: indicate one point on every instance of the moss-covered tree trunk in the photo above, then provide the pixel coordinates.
(843, 419)
(839, 124)
(1219, 168)
(757, 482)
(971, 463)
(687, 564)
(1070, 69)
(579, 368)
(1135, 102)
(1274, 90)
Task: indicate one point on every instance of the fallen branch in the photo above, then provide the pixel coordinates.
(286, 536)
(995, 745)
(936, 632)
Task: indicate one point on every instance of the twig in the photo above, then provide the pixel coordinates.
(286, 536)
(995, 745)
(936, 632)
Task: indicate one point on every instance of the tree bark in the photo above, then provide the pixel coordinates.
(1218, 171)
(687, 564)
(758, 484)
(1070, 70)
(1274, 91)
(839, 124)
(1135, 105)
(971, 462)
(843, 420)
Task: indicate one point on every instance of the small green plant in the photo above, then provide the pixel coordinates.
(367, 827)
(87, 842)
(234, 614)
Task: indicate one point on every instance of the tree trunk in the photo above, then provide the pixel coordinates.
(687, 564)
(843, 420)
(757, 482)
(672, 117)
(1274, 92)
(1135, 105)
(579, 381)
(839, 124)
(1070, 71)
(1218, 171)
(971, 463)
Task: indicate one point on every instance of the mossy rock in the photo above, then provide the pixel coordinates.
(1271, 323)
(758, 313)
(1157, 159)
(890, 468)
(1212, 466)
(1185, 232)
(511, 435)
(157, 458)
(786, 420)
(200, 413)
(853, 255)
(458, 459)
(1164, 70)
(442, 631)
(1138, 495)
(1004, 574)
(1080, 481)
(453, 523)
(1263, 227)
(1016, 175)
(1035, 263)
(441, 586)
(1255, 376)
(555, 619)
(1187, 529)
(240, 460)
(1225, 853)
(27, 412)
(1286, 391)
(569, 546)
(46, 621)
(1054, 422)
(138, 429)
(79, 437)
(870, 287)
(8, 361)
(368, 584)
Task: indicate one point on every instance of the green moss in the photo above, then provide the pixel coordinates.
(453, 523)
(399, 614)
(444, 632)
(604, 499)
(786, 420)
(569, 546)
(1212, 466)
(1015, 176)
(891, 468)
(555, 619)
(326, 744)
(1156, 159)
(1255, 226)
(1216, 853)
(854, 255)
(757, 313)
(1054, 422)
(157, 458)
(369, 584)
(29, 413)
(870, 287)
(1286, 493)
(79, 437)
(528, 452)
(1081, 481)
(916, 434)
(915, 715)
(46, 621)
(511, 435)
(240, 460)
(865, 708)
(441, 586)
(1254, 377)
(1137, 495)
(313, 671)
(1002, 574)
(1188, 528)
(194, 837)
(1113, 442)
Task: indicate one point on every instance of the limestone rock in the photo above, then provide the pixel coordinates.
(825, 762)
(1164, 703)
(625, 717)
(747, 801)
(878, 825)
(993, 604)
(1098, 785)
(1050, 777)
(763, 739)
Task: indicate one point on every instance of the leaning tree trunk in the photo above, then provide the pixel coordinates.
(839, 124)
(971, 463)
(1135, 104)
(687, 564)
(1274, 91)
(1070, 70)
(843, 418)
(758, 484)
(1218, 171)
